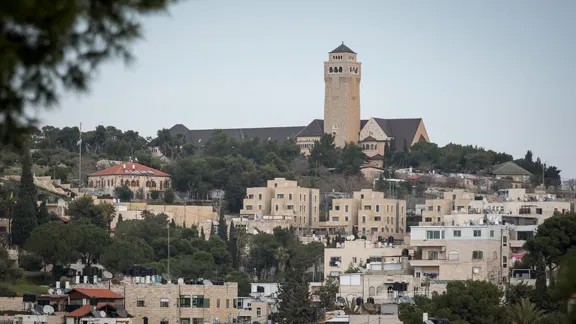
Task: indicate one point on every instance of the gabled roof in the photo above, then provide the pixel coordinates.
(131, 168)
(343, 49)
(369, 139)
(97, 292)
(376, 157)
(400, 129)
(315, 128)
(510, 168)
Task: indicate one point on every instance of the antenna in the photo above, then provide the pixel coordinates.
(48, 310)
(180, 281)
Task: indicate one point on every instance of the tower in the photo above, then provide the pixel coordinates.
(342, 75)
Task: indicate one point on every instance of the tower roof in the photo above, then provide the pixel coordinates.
(342, 49)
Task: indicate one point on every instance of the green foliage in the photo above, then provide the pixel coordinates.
(294, 306)
(124, 193)
(43, 214)
(233, 247)
(123, 254)
(328, 292)
(243, 280)
(553, 239)
(29, 261)
(474, 302)
(84, 209)
(526, 312)
(34, 70)
(169, 196)
(51, 242)
(222, 228)
(24, 218)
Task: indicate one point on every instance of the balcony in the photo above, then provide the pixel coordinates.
(517, 243)
(431, 243)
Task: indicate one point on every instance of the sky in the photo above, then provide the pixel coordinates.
(492, 73)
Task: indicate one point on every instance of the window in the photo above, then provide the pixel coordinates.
(259, 196)
(184, 321)
(185, 301)
(491, 233)
(432, 235)
(346, 208)
(248, 207)
(280, 196)
(367, 207)
(353, 259)
(164, 302)
(276, 207)
(457, 233)
(163, 322)
(377, 208)
(477, 255)
(217, 302)
(453, 255)
(258, 312)
(251, 196)
(504, 261)
(477, 233)
(504, 241)
(227, 303)
(140, 303)
(289, 196)
(336, 207)
(430, 208)
(432, 255)
(197, 321)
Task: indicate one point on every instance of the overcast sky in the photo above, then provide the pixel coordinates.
(493, 73)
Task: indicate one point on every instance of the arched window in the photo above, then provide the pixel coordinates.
(161, 185)
(133, 183)
(453, 255)
(477, 255)
(371, 146)
(331, 70)
(166, 184)
(91, 184)
(494, 255)
(371, 291)
(379, 290)
(340, 69)
(432, 255)
(137, 183)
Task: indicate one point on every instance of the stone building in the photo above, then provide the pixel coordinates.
(137, 177)
(342, 117)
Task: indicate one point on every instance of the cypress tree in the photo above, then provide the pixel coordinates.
(202, 235)
(541, 293)
(24, 218)
(43, 213)
(406, 148)
(222, 228)
(212, 231)
(294, 306)
(233, 245)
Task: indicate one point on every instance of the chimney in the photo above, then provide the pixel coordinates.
(133, 166)
(124, 166)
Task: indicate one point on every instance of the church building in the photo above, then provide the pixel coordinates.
(342, 118)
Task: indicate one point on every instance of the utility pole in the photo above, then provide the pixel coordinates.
(80, 160)
(168, 228)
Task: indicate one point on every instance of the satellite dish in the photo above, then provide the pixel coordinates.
(48, 310)
(107, 275)
(51, 291)
(102, 314)
(475, 270)
(59, 292)
(180, 281)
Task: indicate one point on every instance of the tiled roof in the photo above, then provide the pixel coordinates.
(375, 157)
(509, 168)
(86, 309)
(132, 168)
(98, 293)
(342, 49)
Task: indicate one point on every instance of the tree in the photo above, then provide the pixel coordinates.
(202, 235)
(90, 241)
(169, 196)
(123, 254)
(233, 245)
(294, 305)
(526, 312)
(35, 73)
(352, 159)
(51, 242)
(24, 218)
(541, 293)
(222, 228)
(324, 153)
(43, 214)
(124, 193)
(327, 293)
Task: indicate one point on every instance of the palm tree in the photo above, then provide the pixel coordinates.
(525, 312)
(281, 255)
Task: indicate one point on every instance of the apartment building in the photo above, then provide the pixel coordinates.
(260, 304)
(477, 252)
(359, 253)
(282, 200)
(181, 303)
(451, 202)
(373, 215)
(515, 206)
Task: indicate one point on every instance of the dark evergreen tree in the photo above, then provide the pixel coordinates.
(43, 213)
(24, 218)
(212, 231)
(387, 150)
(202, 235)
(172, 223)
(541, 293)
(406, 147)
(294, 306)
(120, 219)
(233, 245)
(222, 228)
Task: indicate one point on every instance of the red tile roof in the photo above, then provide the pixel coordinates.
(84, 310)
(98, 293)
(130, 168)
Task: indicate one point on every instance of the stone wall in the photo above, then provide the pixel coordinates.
(11, 304)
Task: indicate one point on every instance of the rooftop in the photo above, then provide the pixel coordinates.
(343, 49)
(130, 168)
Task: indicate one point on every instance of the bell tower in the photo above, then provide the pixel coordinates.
(342, 74)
